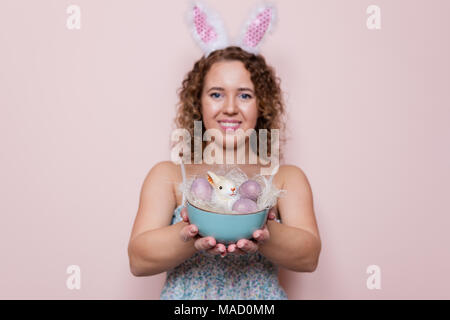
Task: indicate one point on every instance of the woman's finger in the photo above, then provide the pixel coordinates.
(184, 215)
(204, 243)
(188, 232)
(272, 214)
(218, 249)
(261, 235)
(222, 249)
(247, 246)
(232, 248)
(214, 251)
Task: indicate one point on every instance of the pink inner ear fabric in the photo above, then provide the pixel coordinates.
(258, 28)
(204, 30)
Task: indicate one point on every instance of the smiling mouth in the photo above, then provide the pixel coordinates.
(230, 125)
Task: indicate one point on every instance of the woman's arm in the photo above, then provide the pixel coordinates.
(155, 251)
(156, 246)
(295, 243)
(292, 248)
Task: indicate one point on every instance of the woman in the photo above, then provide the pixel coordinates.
(228, 89)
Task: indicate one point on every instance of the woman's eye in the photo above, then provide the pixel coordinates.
(220, 187)
(246, 96)
(215, 95)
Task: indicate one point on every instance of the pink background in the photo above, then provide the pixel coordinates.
(84, 114)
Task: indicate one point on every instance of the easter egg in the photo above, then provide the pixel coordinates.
(201, 189)
(245, 205)
(250, 189)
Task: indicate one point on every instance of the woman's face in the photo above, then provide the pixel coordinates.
(228, 100)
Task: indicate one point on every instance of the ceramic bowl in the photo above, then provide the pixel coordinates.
(226, 228)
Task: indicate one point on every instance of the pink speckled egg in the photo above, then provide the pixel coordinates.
(201, 189)
(250, 189)
(245, 205)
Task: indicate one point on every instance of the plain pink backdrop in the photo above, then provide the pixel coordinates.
(84, 115)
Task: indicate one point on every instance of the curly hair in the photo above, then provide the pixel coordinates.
(267, 90)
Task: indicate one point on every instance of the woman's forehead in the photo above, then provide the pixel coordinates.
(228, 75)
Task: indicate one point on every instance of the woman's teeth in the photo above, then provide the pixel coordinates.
(230, 125)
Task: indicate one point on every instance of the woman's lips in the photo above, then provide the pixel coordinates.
(229, 125)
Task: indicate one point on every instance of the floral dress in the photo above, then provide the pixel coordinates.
(207, 276)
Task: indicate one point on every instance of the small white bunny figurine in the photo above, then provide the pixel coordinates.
(225, 191)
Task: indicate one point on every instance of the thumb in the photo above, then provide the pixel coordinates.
(272, 214)
(184, 215)
(188, 232)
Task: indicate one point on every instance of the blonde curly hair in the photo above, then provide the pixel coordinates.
(267, 90)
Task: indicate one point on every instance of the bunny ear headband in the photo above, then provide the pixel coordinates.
(209, 32)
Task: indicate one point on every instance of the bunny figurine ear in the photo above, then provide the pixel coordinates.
(259, 24)
(206, 28)
(212, 178)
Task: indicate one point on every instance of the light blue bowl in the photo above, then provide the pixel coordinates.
(226, 228)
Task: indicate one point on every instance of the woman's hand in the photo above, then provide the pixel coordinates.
(201, 243)
(244, 246)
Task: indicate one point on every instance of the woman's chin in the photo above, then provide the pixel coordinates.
(231, 142)
(231, 139)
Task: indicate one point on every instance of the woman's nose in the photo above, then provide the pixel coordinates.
(232, 189)
(230, 106)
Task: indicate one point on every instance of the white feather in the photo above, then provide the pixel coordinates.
(215, 21)
(254, 13)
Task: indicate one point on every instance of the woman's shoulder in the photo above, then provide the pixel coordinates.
(166, 173)
(166, 168)
(290, 168)
(288, 173)
(164, 165)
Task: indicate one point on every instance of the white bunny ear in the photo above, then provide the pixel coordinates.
(260, 23)
(212, 178)
(206, 28)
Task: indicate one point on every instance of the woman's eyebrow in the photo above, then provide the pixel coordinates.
(222, 89)
(245, 89)
(216, 88)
